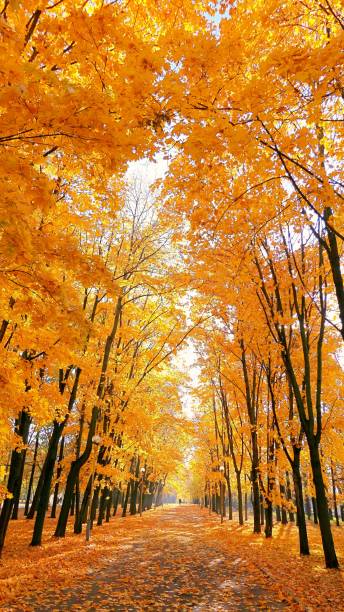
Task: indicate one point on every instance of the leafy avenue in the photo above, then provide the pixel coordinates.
(219, 282)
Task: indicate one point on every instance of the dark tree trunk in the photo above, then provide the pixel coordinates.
(284, 516)
(72, 505)
(283, 510)
(289, 497)
(335, 508)
(261, 509)
(134, 488)
(77, 455)
(239, 490)
(74, 471)
(149, 501)
(16, 494)
(58, 475)
(334, 258)
(125, 503)
(218, 504)
(315, 510)
(268, 519)
(22, 429)
(94, 504)
(37, 492)
(45, 492)
(255, 484)
(159, 494)
(300, 510)
(116, 500)
(108, 506)
(80, 517)
(278, 514)
(324, 520)
(105, 496)
(230, 500)
(32, 474)
(77, 498)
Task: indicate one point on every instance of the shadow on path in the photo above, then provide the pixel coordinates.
(174, 560)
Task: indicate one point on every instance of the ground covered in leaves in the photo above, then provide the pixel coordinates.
(173, 558)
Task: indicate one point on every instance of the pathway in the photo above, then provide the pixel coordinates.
(175, 559)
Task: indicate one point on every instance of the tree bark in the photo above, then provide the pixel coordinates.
(45, 492)
(125, 504)
(323, 516)
(300, 510)
(32, 474)
(74, 471)
(58, 475)
(335, 508)
(315, 511)
(239, 490)
(22, 429)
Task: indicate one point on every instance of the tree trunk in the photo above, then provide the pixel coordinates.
(37, 492)
(289, 497)
(334, 496)
(239, 490)
(134, 489)
(28, 497)
(301, 518)
(102, 506)
(315, 510)
(116, 501)
(80, 517)
(22, 429)
(74, 471)
(255, 484)
(58, 474)
(94, 505)
(108, 506)
(125, 503)
(16, 494)
(230, 500)
(324, 520)
(268, 519)
(334, 258)
(246, 501)
(72, 504)
(45, 492)
(283, 510)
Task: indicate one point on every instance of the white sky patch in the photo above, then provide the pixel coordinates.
(148, 171)
(186, 360)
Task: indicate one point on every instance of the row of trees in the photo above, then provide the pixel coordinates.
(106, 416)
(257, 186)
(89, 317)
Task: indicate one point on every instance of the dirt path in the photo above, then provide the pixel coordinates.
(173, 560)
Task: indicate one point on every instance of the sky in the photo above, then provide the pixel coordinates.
(148, 172)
